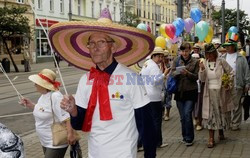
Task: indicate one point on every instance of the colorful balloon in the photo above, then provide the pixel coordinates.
(195, 14)
(160, 42)
(162, 30)
(148, 28)
(233, 29)
(210, 35)
(142, 26)
(201, 30)
(179, 26)
(170, 30)
(189, 23)
(168, 43)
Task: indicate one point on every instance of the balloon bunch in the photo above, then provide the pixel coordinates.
(202, 28)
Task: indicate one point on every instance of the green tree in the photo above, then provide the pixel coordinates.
(131, 19)
(231, 20)
(13, 23)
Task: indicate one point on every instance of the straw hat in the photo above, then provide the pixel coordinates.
(70, 40)
(46, 79)
(196, 46)
(166, 52)
(158, 50)
(195, 55)
(216, 41)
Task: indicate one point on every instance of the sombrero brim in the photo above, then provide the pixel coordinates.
(41, 82)
(69, 39)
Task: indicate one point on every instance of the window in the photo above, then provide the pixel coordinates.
(114, 13)
(148, 10)
(39, 4)
(100, 6)
(166, 15)
(42, 46)
(51, 5)
(144, 8)
(20, 1)
(61, 6)
(92, 9)
(79, 7)
(153, 10)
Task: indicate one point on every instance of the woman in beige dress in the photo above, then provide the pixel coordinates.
(216, 107)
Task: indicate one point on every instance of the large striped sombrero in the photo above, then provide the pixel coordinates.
(69, 39)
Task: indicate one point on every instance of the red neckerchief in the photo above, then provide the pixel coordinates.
(100, 91)
(56, 84)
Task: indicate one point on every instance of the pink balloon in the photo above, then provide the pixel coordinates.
(148, 28)
(175, 40)
(170, 30)
(189, 23)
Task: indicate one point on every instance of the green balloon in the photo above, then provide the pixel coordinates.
(201, 30)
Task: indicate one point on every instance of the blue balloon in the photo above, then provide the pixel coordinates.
(196, 14)
(179, 26)
(142, 26)
(233, 29)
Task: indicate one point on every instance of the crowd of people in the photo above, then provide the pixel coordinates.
(122, 118)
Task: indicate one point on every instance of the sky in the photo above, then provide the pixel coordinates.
(232, 4)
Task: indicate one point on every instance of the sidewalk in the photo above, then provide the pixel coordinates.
(236, 145)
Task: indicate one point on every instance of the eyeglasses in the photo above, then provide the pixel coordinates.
(99, 44)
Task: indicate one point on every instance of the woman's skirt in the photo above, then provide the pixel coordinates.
(217, 119)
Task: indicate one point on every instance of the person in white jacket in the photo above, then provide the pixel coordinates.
(153, 78)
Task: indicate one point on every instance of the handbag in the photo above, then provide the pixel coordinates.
(171, 84)
(59, 131)
(75, 150)
(22, 62)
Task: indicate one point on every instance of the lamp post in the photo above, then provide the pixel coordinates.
(238, 14)
(70, 10)
(180, 9)
(155, 17)
(223, 21)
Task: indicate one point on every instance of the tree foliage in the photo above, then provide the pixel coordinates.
(231, 20)
(131, 19)
(13, 23)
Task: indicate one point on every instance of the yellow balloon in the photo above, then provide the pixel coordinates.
(160, 42)
(210, 35)
(162, 31)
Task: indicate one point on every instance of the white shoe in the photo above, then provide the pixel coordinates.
(198, 128)
(166, 118)
(194, 122)
(140, 149)
(163, 145)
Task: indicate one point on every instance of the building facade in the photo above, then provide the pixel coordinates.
(155, 12)
(15, 42)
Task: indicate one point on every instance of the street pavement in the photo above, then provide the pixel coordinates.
(237, 144)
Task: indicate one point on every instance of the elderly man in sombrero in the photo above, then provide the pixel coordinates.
(110, 102)
(241, 77)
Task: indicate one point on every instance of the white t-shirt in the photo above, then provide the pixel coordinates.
(153, 80)
(247, 50)
(117, 137)
(231, 60)
(44, 118)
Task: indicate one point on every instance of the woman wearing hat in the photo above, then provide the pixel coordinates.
(216, 106)
(46, 84)
(187, 92)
